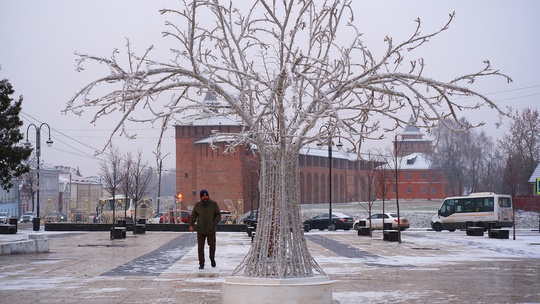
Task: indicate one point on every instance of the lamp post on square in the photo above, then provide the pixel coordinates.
(160, 167)
(37, 219)
(328, 141)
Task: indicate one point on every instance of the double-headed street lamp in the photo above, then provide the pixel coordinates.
(328, 141)
(37, 219)
(160, 163)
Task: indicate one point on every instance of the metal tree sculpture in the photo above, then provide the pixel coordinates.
(281, 67)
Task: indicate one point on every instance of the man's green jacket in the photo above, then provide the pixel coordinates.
(207, 215)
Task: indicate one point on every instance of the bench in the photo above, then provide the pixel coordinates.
(118, 233)
(8, 229)
(475, 231)
(391, 235)
(365, 231)
(499, 233)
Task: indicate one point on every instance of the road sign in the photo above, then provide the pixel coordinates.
(538, 185)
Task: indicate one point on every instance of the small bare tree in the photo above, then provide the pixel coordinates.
(127, 184)
(282, 68)
(368, 177)
(111, 175)
(384, 182)
(141, 175)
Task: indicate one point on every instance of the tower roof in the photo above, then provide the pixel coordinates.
(411, 129)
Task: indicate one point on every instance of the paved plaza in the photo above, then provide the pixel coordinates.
(162, 267)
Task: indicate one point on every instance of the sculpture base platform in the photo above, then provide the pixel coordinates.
(279, 291)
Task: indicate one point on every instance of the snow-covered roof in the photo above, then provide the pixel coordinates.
(341, 154)
(535, 174)
(415, 139)
(75, 179)
(338, 154)
(49, 167)
(411, 129)
(211, 113)
(217, 138)
(214, 121)
(414, 161)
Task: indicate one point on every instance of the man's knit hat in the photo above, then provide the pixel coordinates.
(204, 192)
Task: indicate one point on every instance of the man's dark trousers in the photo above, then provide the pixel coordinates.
(201, 238)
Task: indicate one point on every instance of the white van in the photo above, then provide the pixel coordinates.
(485, 209)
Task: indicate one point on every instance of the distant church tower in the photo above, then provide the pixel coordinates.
(412, 141)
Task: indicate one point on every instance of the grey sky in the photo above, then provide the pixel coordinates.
(40, 38)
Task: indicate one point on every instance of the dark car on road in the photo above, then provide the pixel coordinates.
(78, 217)
(248, 217)
(55, 217)
(321, 221)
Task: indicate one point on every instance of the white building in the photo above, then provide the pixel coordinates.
(9, 200)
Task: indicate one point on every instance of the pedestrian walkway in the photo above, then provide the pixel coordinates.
(162, 267)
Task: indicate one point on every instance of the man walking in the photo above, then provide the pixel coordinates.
(207, 215)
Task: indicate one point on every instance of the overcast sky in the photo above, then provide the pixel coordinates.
(39, 39)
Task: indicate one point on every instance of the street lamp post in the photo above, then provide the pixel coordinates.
(159, 180)
(37, 219)
(330, 143)
(398, 155)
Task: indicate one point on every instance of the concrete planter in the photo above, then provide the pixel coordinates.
(312, 290)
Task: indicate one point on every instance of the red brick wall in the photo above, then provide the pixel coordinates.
(198, 166)
(228, 176)
(434, 184)
(314, 182)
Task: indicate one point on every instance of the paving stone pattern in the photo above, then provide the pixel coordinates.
(157, 261)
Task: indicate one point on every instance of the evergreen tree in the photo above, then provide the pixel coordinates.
(12, 152)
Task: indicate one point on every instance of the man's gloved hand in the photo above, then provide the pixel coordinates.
(191, 228)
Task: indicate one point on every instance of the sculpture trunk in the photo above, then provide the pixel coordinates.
(279, 249)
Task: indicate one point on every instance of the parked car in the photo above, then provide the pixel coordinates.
(55, 217)
(78, 216)
(244, 219)
(185, 217)
(4, 218)
(155, 218)
(227, 217)
(339, 221)
(27, 217)
(377, 221)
